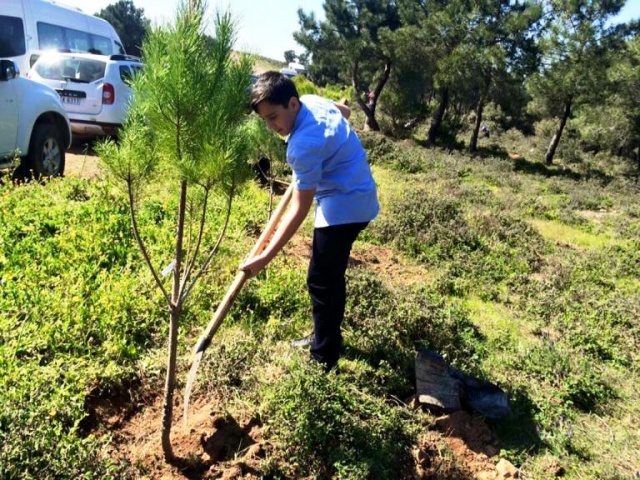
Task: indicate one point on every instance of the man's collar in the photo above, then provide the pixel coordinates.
(300, 116)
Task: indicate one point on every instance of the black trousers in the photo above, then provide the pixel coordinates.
(327, 289)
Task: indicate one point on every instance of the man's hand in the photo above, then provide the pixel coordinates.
(253, 265)
(300, 204)
(344, 109)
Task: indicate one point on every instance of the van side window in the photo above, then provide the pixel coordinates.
(11, 37)
(120, 48)
(51, 37)
(100, 45)
(77, 41)
(57, 37)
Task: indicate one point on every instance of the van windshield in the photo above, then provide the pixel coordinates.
(11, 37)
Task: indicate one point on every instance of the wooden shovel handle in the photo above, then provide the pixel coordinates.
(241, 277)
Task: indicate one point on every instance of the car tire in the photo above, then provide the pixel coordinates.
(46, 152)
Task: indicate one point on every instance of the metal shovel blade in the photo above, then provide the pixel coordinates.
(195, 363)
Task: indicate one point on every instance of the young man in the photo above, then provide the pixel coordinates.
(330, 165)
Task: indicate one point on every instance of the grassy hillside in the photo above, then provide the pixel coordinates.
(263, 64)
(519, 273)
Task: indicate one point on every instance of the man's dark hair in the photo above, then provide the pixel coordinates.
(273, 87)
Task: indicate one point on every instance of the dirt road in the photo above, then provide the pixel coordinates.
(81, 160)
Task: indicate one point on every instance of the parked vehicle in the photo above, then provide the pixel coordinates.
(293, 69)
(33, 125)
(95, 89)
(30, 27)
(288, 72)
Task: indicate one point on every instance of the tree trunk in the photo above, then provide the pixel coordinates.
(175, 312)
(473, 144)
(369, 107)
(556, 137)
(167, 407)
(438, 116)
(370, 123)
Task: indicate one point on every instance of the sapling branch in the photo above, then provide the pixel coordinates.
(196, 250)
(209, 258)
(143, 249)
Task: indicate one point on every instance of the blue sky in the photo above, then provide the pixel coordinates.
(265, 27)
(631, 11)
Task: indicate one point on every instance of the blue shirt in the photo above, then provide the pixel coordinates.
(326, 154)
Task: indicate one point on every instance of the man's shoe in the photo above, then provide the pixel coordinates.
(304, 342)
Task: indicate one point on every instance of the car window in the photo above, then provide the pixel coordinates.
(70, 68)
(127, 72)
(11, 36)
(91, 70)
(78, 41)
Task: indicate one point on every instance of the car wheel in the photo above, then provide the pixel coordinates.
(46, 152)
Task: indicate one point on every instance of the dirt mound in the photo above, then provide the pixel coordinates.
(474, 447)
(214, 445)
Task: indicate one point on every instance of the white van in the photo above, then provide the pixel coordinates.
(29, 27)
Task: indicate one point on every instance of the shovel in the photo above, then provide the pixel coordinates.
(216, 320)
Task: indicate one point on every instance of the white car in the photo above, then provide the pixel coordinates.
(94, 89)
(33, 125)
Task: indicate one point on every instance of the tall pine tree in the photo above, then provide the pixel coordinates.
(347, 47)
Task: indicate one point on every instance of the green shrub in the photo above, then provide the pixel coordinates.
(386, 328)
(327, 427)
(71, 319)
(580, 299)
(229, 361)
(333, 92)
(475, 252)
(278, 304)
(40, 418)
(589, 196)
(380, 149)
(572, 377)
(427, 226)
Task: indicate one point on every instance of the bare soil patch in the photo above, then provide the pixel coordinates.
(382, 260)
(213, 445)
(81, 161)
(216, 445)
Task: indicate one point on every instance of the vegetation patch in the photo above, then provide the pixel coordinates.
(563, 234)
(326, 426)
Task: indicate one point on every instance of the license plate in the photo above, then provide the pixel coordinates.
(70, 100)
(71, 97)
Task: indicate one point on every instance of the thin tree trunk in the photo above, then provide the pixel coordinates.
(473, 144)
(369, 108)
(556, 137)
(175, 312)
(370, 122)
(434, 129)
